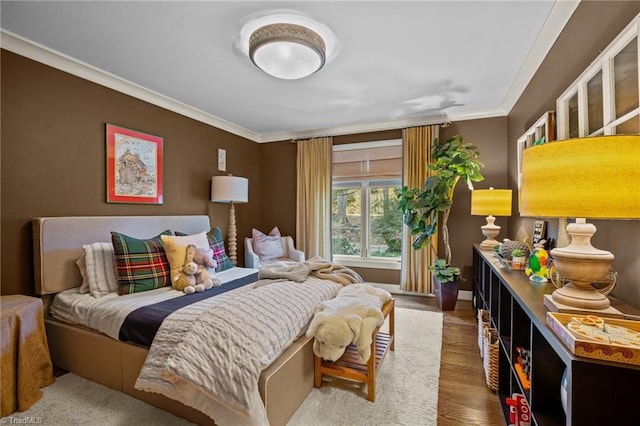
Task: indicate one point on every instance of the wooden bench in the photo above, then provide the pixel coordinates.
(348, 366)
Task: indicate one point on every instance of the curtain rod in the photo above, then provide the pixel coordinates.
(443, 124)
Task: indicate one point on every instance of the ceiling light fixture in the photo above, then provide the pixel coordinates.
(287, 51)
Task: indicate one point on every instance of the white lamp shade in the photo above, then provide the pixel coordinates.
(229, 189)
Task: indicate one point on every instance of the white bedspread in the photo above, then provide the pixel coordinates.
(207, 358)
(107, 313)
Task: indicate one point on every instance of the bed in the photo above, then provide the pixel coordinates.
(58, 241)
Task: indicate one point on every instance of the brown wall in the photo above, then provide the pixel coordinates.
(592, 27)
(278, 187)
(490, 136)
(53, 159)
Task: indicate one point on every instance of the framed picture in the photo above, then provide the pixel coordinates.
(134, 166)
(222, 160)
(539, 231)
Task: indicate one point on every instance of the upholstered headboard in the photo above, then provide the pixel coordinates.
(57, 241)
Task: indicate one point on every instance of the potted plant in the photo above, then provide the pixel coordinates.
(518, 259)
(446, 280)
(452, 160)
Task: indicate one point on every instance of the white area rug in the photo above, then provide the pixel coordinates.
(407, 383)
(406, 391)
(73, 400)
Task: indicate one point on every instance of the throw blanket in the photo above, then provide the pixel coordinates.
(315, 266)
(211, 353)
(298, 273)
(324, 269)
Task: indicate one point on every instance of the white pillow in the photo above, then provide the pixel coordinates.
(267, 246)
(82, 267)
(101, 268)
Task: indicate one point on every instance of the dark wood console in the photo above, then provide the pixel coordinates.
(599, 392)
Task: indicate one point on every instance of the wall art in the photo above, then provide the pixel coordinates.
(134, 166)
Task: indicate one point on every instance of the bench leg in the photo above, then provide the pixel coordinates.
(371, 372)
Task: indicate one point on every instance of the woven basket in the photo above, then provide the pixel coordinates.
(483, 323)
(490, 361)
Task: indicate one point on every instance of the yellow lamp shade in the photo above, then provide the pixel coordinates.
(495, 202)
(594, 177)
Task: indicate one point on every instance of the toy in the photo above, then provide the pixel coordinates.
(523, 367)
(519, 414)
(205, 274)
(186, 279)
(537, 269)
(351, 317)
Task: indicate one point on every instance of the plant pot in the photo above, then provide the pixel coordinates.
(519, 263)
(446, 293)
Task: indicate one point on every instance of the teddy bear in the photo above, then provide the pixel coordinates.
(206, 273)
(186, 278)
(351, 317)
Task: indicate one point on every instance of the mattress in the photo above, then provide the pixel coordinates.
(108, 313)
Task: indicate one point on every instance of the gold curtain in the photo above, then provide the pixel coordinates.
(313, 205)
(416, 153)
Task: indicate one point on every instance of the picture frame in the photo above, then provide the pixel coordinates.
(222, 160)
(134, 166)
(539, 231)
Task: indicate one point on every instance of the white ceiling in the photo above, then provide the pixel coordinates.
(395, 64)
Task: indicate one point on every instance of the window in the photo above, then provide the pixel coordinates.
(540, 132)
(604, 100)
(366, 227)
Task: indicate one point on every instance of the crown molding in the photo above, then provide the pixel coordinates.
(386, 125)
(558, 17)
(60, 61)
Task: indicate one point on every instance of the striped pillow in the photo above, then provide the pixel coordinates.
(82, 267)
(100, 268)
(216, 243)
(141, 265)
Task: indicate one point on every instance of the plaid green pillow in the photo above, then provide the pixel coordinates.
(216, 243)
(141, 265)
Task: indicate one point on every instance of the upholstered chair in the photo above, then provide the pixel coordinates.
(253, 260)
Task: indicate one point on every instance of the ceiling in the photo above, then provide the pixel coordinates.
(394, 63)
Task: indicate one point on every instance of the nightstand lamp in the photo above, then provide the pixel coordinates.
(490, 202)
(594, 177)
(230, 189)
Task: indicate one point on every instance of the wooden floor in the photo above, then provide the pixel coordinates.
(463, 397)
